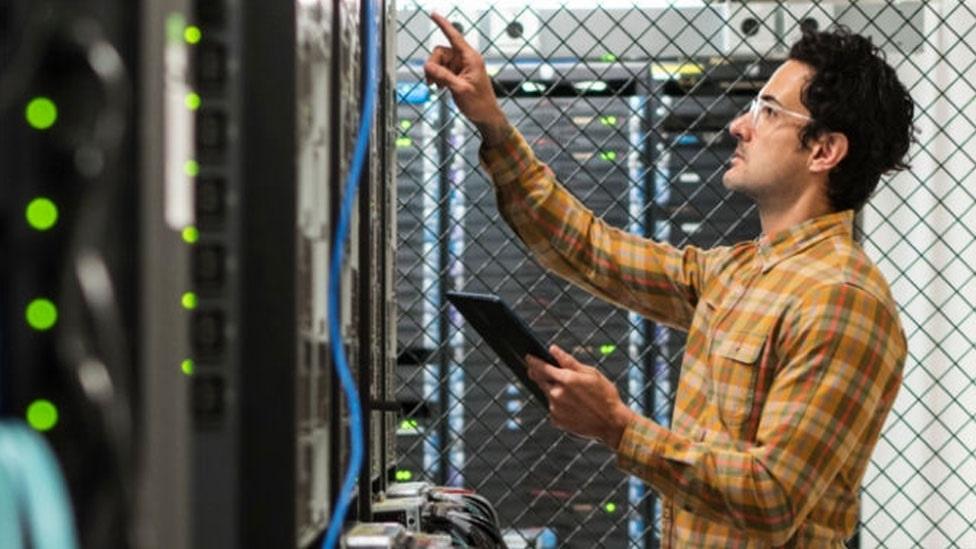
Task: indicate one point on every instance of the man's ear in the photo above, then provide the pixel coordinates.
(827, 152)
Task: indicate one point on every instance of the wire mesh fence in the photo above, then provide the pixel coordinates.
(630, 107)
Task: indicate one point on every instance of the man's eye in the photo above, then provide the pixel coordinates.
(768, 111)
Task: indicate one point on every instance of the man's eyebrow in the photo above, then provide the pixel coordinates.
(770, 98)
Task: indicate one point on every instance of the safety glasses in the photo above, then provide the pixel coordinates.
(762, 111)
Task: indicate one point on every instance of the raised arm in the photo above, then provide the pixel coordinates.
(461, 69)
(654, 279)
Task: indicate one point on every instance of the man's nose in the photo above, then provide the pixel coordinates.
(740, 127)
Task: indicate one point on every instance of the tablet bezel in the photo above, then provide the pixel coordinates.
(505, 332)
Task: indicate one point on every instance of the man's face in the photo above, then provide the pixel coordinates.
(769, 162)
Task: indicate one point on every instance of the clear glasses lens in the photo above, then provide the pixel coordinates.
(755, 108)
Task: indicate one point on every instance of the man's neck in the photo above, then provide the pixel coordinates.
(775, 220)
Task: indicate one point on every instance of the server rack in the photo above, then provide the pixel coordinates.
(367, 299)
(245, 325)
(417, 284)
(313, 154)
(271, 427)
(430, 384)
(582, 129)
(216, 267)
(385, 234)
(93, 205)
(377, 222)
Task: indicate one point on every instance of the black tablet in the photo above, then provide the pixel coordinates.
(503, 331)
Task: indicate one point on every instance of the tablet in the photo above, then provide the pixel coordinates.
(506, 334)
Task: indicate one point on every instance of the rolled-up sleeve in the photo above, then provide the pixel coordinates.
(654, 279)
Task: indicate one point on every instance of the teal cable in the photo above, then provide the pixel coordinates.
(10, 535)
(36, 498)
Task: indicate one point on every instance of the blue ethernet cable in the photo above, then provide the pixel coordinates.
(354, 466)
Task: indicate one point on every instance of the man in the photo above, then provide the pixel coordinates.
(794, 351)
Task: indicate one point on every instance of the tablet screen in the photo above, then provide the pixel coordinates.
(507, 334)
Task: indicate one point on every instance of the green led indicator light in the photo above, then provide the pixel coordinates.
(41, 314)
(192, 101)
(607, 349)
(190, 235)
(404, 474)
(406, 124)
(608, 120)
(609, 156)
(402, 142)
(41, 214)
(409, 425)
(42, 415)
(608, 57)
(610, 507)
(187, 367)
(192, 34)
(191, 168)
(41, 113)
(189, 301)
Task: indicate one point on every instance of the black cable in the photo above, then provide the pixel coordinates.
(470, 503)
(481, 524)
(475, 509)
(474, 512)
(484, 504)
(439, 524)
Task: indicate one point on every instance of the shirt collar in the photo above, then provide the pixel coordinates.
(792, 241)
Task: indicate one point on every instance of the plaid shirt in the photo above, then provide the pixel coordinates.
(794, 357)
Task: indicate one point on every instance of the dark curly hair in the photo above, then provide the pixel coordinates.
(854, 91)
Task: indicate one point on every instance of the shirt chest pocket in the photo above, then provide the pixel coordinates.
(734, 369)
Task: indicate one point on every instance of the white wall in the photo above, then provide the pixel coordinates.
(921, 229)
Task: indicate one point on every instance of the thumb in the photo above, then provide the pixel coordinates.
(565, 359)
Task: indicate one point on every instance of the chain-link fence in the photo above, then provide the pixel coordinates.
(630, 106)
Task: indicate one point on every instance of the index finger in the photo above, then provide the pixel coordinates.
(452, 34)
